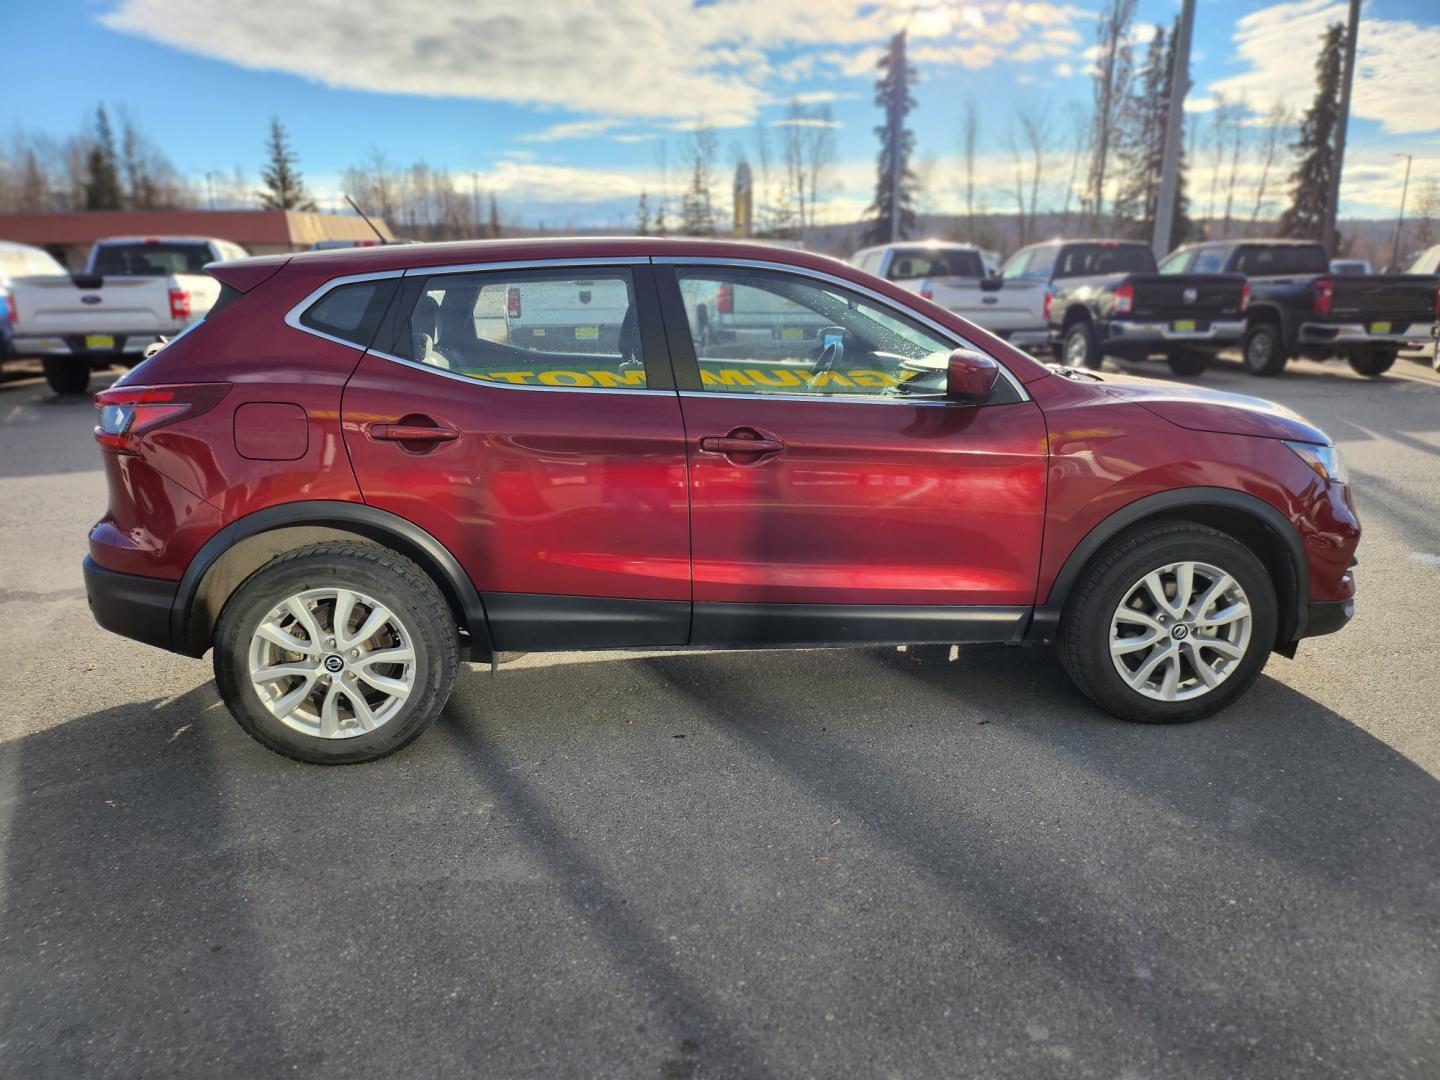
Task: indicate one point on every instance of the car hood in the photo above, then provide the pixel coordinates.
(1213, 410)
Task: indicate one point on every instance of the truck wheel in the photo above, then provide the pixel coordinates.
(1188, 363)
(67, 374)
(1080, 349)
(1264, 352)
(1170, 623)
(336, 653)
(1373, 363)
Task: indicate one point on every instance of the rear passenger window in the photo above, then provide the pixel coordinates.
(350, 312)
(528, 328)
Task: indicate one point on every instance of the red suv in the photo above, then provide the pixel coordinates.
(365, 465)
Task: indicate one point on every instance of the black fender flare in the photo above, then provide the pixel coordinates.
(1280, 315)
(369, 522)
(1292, 622)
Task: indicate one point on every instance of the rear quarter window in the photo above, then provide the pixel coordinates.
(351, 312)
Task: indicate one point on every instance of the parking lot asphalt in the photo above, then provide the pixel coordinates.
(874, 863)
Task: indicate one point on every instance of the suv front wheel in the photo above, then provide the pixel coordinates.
(336, 653)
(1171, 623)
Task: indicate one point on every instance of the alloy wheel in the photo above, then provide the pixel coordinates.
(1180, 631)
(332, 663)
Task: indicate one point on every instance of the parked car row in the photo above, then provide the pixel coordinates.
(1083, 300)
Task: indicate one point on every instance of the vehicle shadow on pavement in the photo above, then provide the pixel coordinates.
(822, 863)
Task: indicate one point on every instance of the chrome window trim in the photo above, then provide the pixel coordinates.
(840, 399)
(292, 317)
(470, 380)
(845, 283)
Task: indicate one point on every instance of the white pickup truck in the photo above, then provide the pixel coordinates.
(957, 277)
(134, 291)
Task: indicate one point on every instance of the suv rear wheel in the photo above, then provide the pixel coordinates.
(336, 653)
(1171, 623)
(1263, 350)
(1373, 363)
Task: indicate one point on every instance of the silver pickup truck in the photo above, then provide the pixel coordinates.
(134, 291)
(959, 277)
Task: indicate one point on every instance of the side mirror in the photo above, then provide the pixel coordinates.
(970, 376)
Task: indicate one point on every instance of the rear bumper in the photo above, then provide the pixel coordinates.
(130, 605)
(71, 345)
(1217, 334)
(1026, 339)
(1344, 336)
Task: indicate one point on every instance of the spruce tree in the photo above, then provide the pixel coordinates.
(102, 173)
(284, 188)
(494, 219)
(642, 217)
(892, 95)
(1310, 182)
(1142, 145)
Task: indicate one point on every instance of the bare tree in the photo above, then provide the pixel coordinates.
(1427, 215)
(1027, 155)
(697, 207)
(1113, 71)
(1273, 138)
(1080, 130)
(1235, 140)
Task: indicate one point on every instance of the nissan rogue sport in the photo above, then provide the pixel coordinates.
(366, 465)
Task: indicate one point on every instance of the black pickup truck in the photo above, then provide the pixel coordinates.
(1299, 308)
(1106, 298)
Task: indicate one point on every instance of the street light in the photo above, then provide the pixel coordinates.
(1400, 221)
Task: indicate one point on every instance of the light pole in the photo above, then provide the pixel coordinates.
(900, 52)
(1400, 221)
(1170, 159)
(1332, 196)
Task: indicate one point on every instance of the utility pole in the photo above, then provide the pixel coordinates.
(1332, 205)
(1400, 221)
(1174, 120)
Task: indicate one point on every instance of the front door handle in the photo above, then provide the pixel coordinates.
(742, 446)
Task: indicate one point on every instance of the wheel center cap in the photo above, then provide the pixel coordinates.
(1179, 632)
(334, 663)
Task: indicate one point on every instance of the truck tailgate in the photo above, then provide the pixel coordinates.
(1400, 297)
(1184, 296)
(58, 306)
(1016, 305)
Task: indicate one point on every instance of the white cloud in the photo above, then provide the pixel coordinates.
(575, 129)
(1394, 76)
(718, 62)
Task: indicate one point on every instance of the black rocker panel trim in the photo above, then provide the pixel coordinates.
(717, 624)
(542, 622)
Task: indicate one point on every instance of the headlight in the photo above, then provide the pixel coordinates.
(1325, 460)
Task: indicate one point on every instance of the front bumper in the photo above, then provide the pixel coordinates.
(130, 605)
(1363, 335)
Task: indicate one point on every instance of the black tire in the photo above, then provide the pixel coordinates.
(1084, 637)
(1079, 349)
(388, 578)
(1187, 363)
(1373, 363)
(67, 374)
(1263, 350)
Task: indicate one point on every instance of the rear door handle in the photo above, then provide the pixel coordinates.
(411, 433)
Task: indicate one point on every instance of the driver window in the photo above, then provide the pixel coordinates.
(762, 332)
(529, 328)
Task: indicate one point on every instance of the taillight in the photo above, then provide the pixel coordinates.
(1244, 298)
(512, 302)
(725, 298)
(1124, 300)
(179, 304)
(1049, 300)
(1324, 296)
(13, 309)
(128, 411)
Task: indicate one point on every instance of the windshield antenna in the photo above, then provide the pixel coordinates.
(378, 234)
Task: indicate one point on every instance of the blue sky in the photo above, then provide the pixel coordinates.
(561, 111)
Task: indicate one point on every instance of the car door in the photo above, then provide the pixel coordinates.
(550, 460)
(836, 494)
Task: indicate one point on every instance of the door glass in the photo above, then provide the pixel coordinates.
(1175, 264)
(761, 332)
(1210, 261)
(528, 328)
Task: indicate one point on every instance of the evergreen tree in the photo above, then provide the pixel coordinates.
(284, 188)
(1310, 182)
(661, 227)
(897, 143)
(102, 172)
(494, 219)
(642, 217)
(1141, 145)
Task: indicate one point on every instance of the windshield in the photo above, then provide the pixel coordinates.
(144, 259)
